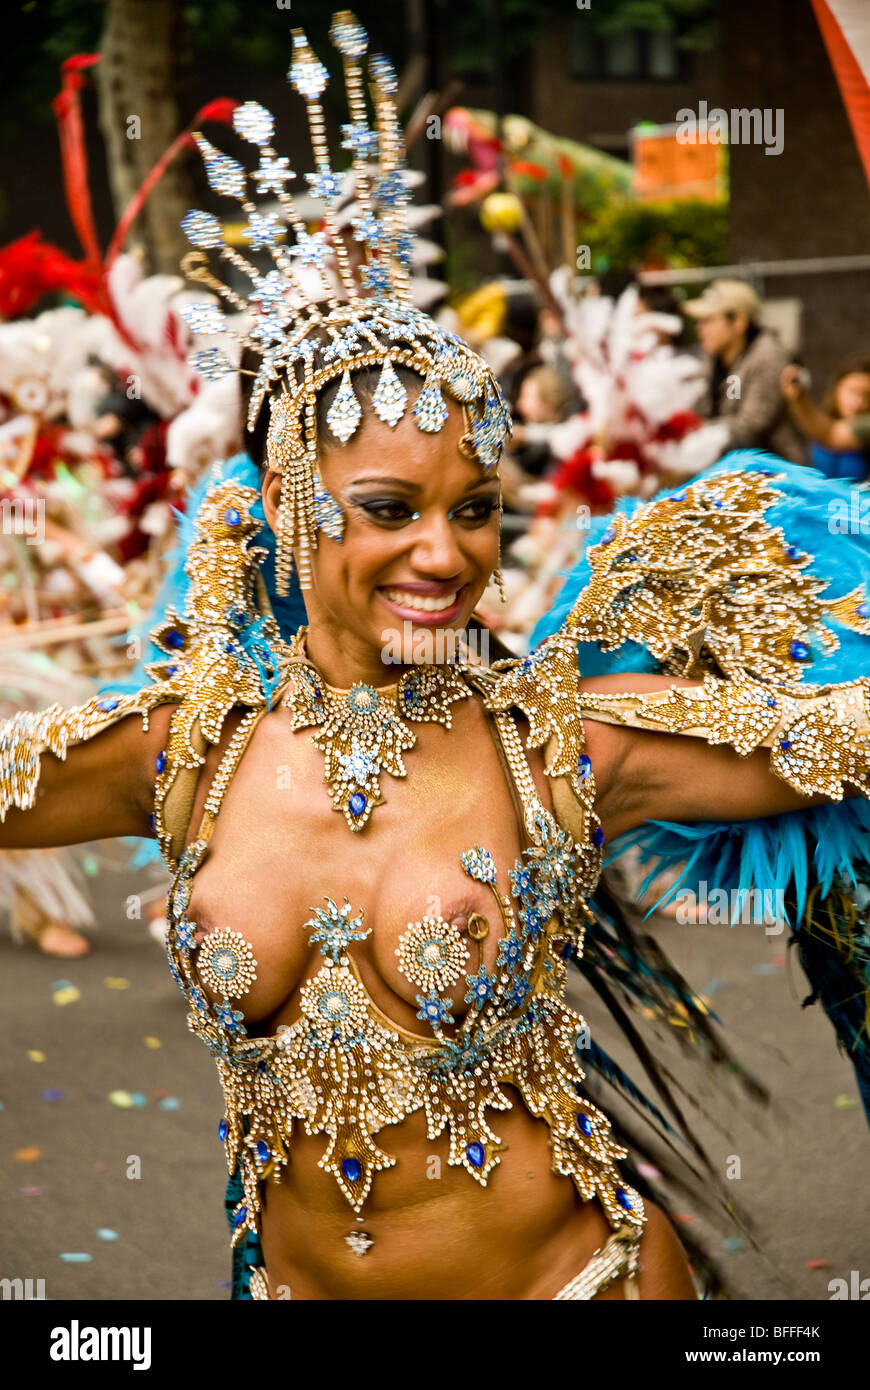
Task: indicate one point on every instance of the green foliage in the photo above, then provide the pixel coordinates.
(696, 21)
(687, 233)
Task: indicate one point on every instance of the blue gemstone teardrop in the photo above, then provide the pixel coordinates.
(584, 765)
(863, 610)
(351, 1169)
(263, 1153)
(160, 761)
(357, 803)
(240, 1216)
(223, 1131)
(476, 1154)
(798, 651)
(622, 1199)
(107, 705)
(598, 837)
(175, 639)
(584, 1124)
(232, 517)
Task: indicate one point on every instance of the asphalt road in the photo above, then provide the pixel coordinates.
(132, 1191)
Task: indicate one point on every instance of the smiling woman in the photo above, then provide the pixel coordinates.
(375, 952)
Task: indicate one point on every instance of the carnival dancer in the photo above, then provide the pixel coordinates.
(383, 861)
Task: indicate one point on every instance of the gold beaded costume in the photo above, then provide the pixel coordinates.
(344, 1070)
(699, 580)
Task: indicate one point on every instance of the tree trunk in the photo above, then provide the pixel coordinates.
(143, 82)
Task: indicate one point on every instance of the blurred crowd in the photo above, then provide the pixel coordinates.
(628, 390)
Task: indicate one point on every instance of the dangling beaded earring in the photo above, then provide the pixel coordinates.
(497, 574)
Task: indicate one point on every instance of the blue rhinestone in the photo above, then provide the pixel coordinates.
(261, 1066)
(223, 1131)
(717, 503)
(171, 670)
(232, 517)
(584, 765)
(678, 497)
(608, 536)
(793, 553)
(351, 1168)
(175, 639)
(476, 1154)
(598, 836)
(151, 821)
(107, 705)
(622, 1199)
(771, 700)
(160, 761)
(357, 803)
(263, 1151)
(798, 651)
(785, 745)
(584, 1124)
(863, 610)
(317, 692)
(241, 1216)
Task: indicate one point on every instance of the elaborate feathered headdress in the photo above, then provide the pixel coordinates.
(317, 316)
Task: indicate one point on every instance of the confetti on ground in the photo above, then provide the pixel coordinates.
(817, 1264)
(224, 1284)
(684, 1216)
(845, 1103)
(100, 1166)
(33, 1191)
(153, 1043)
(36, 1056)
(170, 1103)
(2, 1106)
(116, 982)
(27, 1155)
(777, 960)
(764, 968)
(90, 866)
(66, 996)
(122, 1099)
(158, 1093)
(76, 1258)
(713, 988)
(53, 1095)
(137, 1099)
(647, 1170)
(106, 1234)
(62, 984)
(731, 1244)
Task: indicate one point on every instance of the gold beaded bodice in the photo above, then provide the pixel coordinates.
(346, 1071)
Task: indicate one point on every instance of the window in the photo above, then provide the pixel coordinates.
(635, 55)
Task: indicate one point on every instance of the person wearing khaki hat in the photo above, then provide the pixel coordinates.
(746, 362)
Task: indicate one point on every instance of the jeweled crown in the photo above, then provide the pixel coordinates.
(333, 304)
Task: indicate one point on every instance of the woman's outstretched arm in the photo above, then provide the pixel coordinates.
(649, 773)
(103, 787)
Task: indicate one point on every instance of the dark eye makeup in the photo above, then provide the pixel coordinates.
(393, 511)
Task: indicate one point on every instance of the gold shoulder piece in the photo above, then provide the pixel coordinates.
(706, 584)
(819, 738)
(544, 687)
(26, 736)
(210, 667)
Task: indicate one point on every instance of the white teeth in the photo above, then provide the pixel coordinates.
(420, 602)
